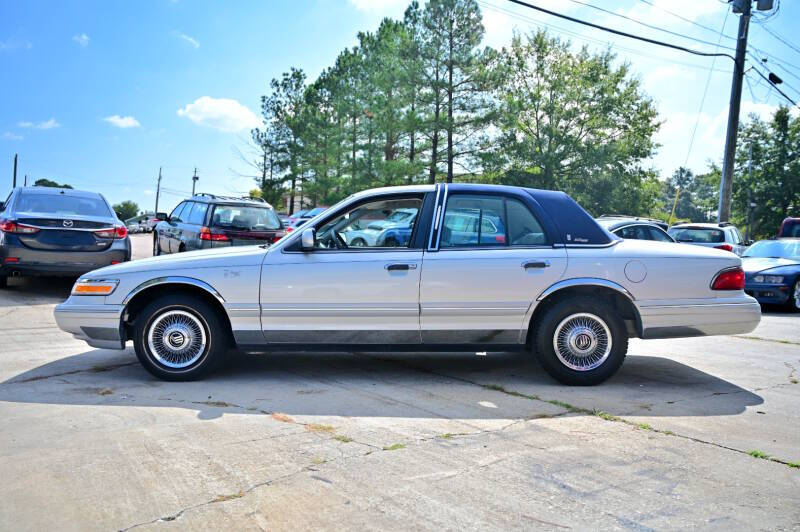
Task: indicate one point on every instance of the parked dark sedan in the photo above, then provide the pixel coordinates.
(56, 231)
(631, 227)
(772, 271)
(208, 221)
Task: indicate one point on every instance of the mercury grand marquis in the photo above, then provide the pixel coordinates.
(484, 268)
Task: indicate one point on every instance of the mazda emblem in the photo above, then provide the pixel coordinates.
(67, 223)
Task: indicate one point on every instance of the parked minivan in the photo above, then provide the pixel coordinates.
(209, 221)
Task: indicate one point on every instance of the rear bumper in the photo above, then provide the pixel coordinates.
(98, 325)
(65, 263)
(734, 315)
(771, 295)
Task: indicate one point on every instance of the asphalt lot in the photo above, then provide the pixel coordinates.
(90, 441)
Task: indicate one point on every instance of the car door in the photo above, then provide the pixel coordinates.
(173, 230)
(191, 225)
(336, 294)
(492, 260)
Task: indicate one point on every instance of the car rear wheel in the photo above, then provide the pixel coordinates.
(794, 299)
(581, 341)
(358, 243)
(179, 338)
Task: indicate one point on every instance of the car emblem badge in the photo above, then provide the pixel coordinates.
(67, 223)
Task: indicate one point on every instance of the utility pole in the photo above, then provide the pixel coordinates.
(726, 183)
(158, 188)
(15, 171)
(194, 180)
(26, 180)
(750, 203)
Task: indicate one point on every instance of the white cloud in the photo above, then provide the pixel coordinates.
(122, 121)
(81, 39)
(223, 114)
(657, 13)
(377, 5)
(14, 44)
(191, 40)
(11, 136)
(147, 192)
(48, 124)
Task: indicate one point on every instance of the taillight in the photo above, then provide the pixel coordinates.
(8, 226)
(726, 247)
(207, 234)
(118, 231)
(731, 279)
(289, 229)
(275, 238)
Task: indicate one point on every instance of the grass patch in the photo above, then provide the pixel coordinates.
(446, 435)
(795, 465)
(218, 404)
(644, 426)
(793, 380)
(567, 406)
(316, 427)
(105, 391)
(394, 447)
(755, 453)
(501, 389)
(605, 415)
(317, 460)
(222, 498)
(342, 438)
(285, 418)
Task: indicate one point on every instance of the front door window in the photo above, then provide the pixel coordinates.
(378, 224)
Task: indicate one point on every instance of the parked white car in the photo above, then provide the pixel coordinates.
(719, 236)
(546, 278)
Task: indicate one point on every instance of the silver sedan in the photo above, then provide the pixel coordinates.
(481, 268)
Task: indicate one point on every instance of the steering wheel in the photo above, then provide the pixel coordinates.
(338, 240)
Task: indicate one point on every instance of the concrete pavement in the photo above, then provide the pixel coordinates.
(90, 441)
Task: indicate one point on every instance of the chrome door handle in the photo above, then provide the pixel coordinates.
(400, 266)
(536, 264)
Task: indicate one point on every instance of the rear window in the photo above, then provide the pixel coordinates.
(699, 235)
(61, 205)
(245, 218)
(791, 228)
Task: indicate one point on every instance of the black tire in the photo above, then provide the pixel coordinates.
(392, 242)
(197, 314)
(358, 243)
(793, 303)
(3, 281)
(590, 321)
(156, 247)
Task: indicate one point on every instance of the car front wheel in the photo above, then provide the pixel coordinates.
(581, 341)
(179, 338)
(794, 298)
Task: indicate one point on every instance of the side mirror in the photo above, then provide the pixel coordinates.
(307, 239)
(161, 216)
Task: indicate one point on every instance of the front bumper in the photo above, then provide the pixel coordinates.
(97, 324)
(773, 294)
(699, 317)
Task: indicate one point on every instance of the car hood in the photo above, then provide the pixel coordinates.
(759, 264)
(207, 258)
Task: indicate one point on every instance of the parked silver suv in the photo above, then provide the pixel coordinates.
(720, 236)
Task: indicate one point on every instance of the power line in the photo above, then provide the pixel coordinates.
(584, 38)
(690, 21)
(774, 86)
(645, 24)
(622, 33)
(705, 92)
(781, 39)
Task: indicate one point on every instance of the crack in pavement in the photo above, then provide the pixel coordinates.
(93, 369)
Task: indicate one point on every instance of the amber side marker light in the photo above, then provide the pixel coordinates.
(91, 287)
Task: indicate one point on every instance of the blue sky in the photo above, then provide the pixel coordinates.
(100, 94)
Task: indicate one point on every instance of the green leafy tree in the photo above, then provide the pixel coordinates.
(126, 209)
(573, 121)
(44, 182)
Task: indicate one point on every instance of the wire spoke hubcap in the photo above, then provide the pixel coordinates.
(176, 339)
(582, 341)
(797, 294)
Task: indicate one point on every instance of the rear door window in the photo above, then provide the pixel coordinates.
(634, 232)
(62, 205)
(698, 235)
(489, 221)
(198, 214)
(658, 234)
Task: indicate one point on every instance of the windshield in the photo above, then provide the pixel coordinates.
(783, 249)
(699, 235)
(62, 205)
(245, 218)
